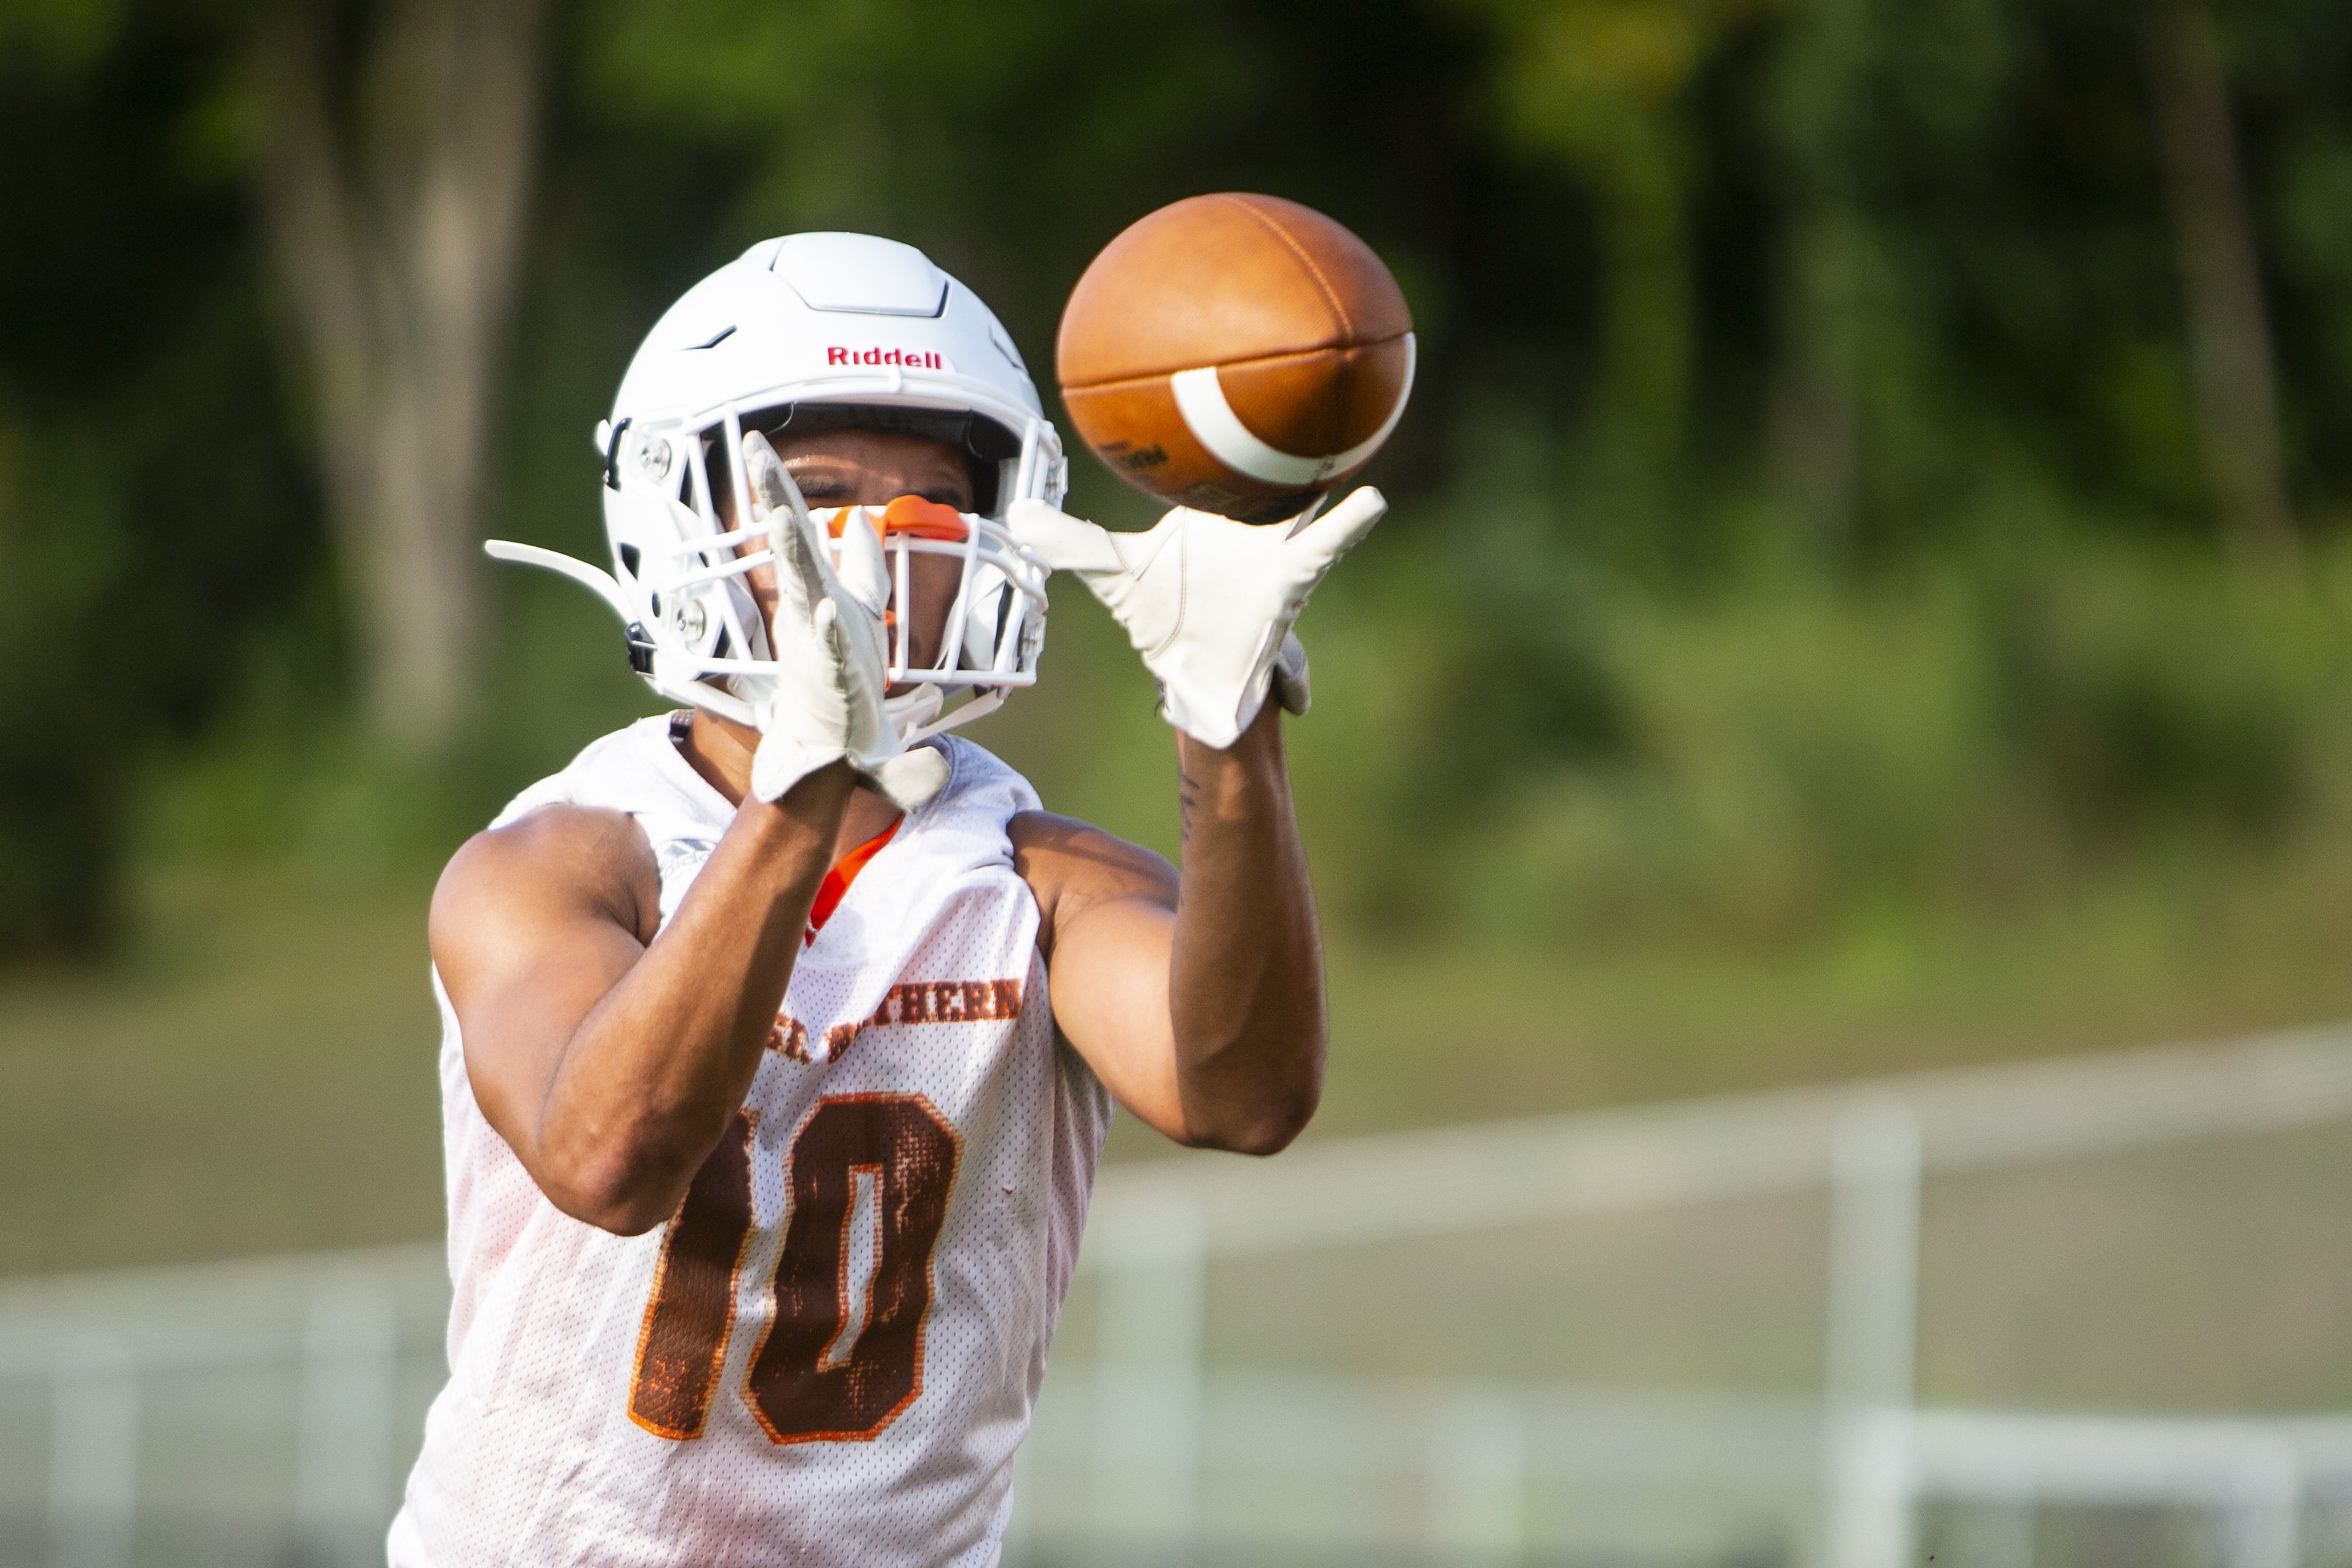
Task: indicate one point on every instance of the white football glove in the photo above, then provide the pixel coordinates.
(824, 702)
(1208, 602)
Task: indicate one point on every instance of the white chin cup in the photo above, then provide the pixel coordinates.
(910, 711)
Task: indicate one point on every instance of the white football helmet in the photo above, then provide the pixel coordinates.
(813, 331)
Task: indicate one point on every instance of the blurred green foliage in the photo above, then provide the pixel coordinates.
(1800, 528)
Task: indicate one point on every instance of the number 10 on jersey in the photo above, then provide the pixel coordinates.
(869, 1177)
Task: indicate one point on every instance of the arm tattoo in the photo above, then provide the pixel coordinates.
(1188, 795)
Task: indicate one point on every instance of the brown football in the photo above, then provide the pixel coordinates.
(1239, 354)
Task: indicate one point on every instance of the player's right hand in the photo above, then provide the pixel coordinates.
(1208, 602)
(824, 703)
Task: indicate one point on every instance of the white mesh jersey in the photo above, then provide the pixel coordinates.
(830, 1354)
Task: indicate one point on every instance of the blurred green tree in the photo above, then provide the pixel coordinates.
(2220, 273)
(1721, 302)
(1611, 87)
(153, 506)
(393, 147)
(388, 146)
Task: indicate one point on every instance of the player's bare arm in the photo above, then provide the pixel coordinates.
(1198, 997)
(1195, 994)
(608, 1057)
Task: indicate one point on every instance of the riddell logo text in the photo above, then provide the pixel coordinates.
(915, 359)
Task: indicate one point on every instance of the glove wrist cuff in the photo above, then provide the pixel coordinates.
(1204, 710)
(778, 765)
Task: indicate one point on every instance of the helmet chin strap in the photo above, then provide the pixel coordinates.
(909, 712)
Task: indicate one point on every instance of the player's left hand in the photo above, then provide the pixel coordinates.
(831, 652)
(1208, 602)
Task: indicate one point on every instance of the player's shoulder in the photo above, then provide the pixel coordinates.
(572, 842)
(548, 864)
(559, 840)
(1039, 832)
(1070, 864)
(981, 784)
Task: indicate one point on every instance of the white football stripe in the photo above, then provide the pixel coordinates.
(1216, 426)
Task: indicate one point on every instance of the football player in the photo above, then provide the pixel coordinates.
(781, 1032)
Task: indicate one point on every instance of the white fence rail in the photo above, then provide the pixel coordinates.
(264, 1412)
(247, 1412)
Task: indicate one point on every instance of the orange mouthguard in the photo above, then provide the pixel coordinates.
(913, 517)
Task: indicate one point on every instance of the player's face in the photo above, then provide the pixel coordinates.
(873, 468)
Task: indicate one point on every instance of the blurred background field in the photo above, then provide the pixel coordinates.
(1868, 587)
(1784, 891)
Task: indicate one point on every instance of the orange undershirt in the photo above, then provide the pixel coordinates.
(830, 891)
